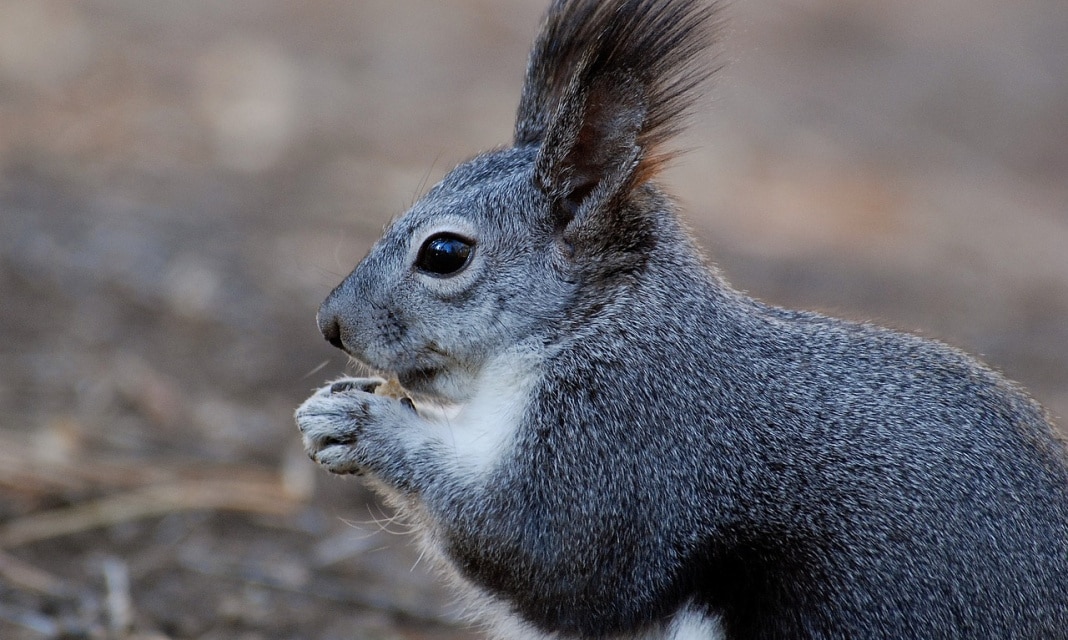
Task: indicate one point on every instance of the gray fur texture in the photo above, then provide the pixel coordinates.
(605, 434)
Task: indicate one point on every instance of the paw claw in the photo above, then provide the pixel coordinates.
(366, 385)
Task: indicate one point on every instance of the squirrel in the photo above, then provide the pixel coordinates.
(597, 437)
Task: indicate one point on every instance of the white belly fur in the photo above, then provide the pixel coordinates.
(686, 624)
(691, 625)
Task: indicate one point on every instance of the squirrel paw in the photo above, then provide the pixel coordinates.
(336, 419)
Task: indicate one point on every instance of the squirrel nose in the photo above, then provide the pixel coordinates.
(331, 329)
(335, 313)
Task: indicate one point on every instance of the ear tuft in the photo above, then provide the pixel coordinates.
(608, 83)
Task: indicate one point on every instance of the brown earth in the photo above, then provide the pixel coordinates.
(182, 182)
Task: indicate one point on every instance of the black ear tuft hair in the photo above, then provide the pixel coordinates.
(657, 46)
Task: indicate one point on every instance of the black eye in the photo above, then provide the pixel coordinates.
(443, 254)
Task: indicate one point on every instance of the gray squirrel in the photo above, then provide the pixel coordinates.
(597, 437)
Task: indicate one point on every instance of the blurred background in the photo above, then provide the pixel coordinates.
(181, 183)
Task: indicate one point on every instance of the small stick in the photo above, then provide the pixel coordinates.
(257, 497)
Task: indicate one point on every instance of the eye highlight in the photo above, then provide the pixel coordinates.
(444, 254)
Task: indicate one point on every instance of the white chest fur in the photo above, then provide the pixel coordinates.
(476, 433)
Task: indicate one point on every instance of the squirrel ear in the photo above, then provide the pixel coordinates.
(591, 151)
(608, 84)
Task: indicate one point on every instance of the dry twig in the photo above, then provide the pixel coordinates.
(230, 495)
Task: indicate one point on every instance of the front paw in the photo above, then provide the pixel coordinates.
(338, 421)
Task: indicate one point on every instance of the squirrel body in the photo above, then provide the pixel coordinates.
(605, 440)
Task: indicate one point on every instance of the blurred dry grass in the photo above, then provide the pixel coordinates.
(181, 183)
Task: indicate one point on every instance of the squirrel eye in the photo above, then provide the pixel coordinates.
(443, 255)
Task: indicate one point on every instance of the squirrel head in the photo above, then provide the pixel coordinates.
(516, 245)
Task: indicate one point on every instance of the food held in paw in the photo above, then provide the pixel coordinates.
(391, 389)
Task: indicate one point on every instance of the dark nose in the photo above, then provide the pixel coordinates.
(329, 325)
(332, 332)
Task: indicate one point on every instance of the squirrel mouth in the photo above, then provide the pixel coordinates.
(418, 380)
(412, 378)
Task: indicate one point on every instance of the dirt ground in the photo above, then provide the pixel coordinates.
(181, 183)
